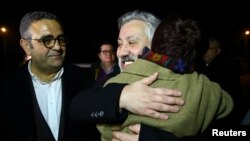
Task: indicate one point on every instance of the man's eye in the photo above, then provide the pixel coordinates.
(47, 40)
(62, 39)
(131, 42)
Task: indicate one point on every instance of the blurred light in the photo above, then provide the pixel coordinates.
(3, 29)
(247, 32)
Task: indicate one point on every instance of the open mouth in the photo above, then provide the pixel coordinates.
(127, 62)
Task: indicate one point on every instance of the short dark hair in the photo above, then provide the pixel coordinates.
(177, 38)
(104, 42)
(31, 17)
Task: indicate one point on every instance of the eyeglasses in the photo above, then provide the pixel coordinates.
(49, 42)
(107, 52)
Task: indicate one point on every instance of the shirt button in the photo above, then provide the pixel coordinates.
(101, 113)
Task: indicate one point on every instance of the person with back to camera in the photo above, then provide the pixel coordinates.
(35, 99)
(112, 103)
(173, 56)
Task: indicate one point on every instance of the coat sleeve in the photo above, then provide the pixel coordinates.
(97, 105)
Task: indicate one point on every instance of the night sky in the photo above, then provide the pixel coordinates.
(86, 24)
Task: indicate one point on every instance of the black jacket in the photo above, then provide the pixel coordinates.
(17, 109)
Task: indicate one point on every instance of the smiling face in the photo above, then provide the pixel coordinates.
(48, 60)
(106, 54)
(131, 41)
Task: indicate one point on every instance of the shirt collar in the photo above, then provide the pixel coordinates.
(35, 78)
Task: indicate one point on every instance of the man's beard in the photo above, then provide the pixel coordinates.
(125, 60)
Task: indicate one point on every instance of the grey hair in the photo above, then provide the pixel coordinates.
(150, 19)
(32, 17)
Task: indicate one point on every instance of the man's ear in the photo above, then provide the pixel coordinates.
(25, 45)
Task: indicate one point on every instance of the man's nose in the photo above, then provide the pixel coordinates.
(124, 50)
(57, 46)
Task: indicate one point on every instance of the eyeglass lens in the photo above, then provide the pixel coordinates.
(50, 41)
(107, 51)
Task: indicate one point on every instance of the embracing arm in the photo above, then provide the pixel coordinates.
(98, 105)
(103, 104)
(143, 100)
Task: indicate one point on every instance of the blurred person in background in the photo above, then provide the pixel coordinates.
(218, 68)
(107, 66)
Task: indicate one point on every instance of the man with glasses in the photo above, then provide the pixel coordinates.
(35, 100)
(49, 41)
(218, 68)
(107, 66)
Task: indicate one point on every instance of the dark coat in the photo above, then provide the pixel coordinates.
(18, 122)
(226, 74)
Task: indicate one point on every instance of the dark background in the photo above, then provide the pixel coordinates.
(86, 23)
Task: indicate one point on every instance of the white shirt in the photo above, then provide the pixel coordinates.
(49, 97)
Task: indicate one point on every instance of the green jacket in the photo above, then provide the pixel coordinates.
(204, 101)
